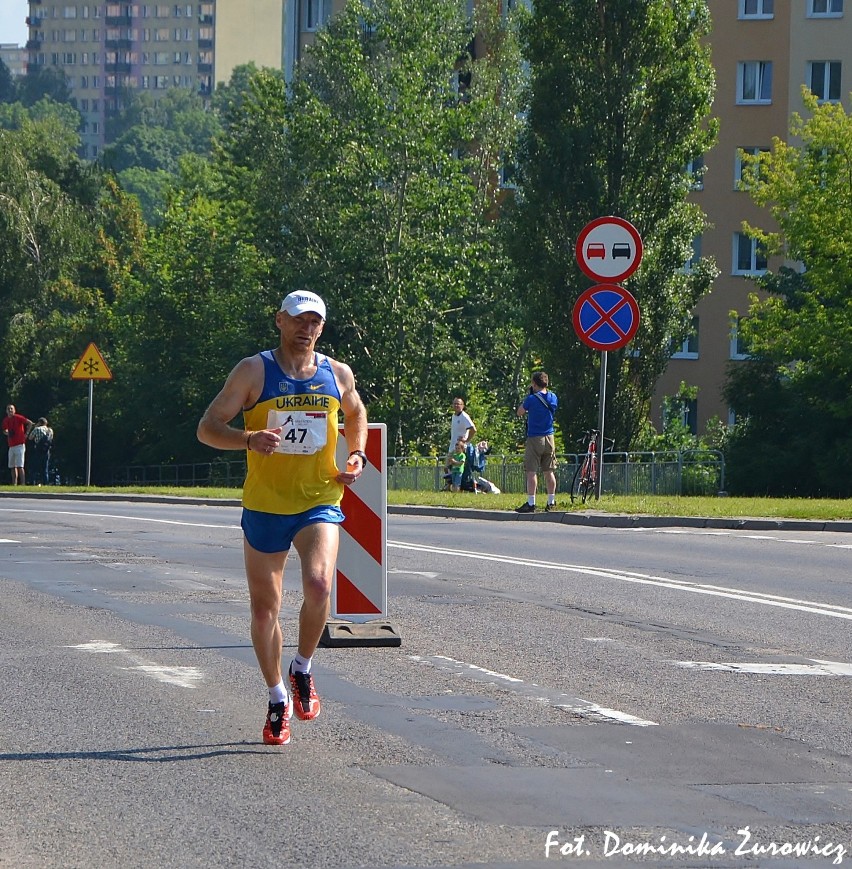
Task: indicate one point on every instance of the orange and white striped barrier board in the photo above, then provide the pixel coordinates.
(359, 596)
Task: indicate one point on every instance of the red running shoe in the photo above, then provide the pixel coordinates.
(276, 731)
(305, 701)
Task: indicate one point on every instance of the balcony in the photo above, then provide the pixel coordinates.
(205, 19)
(205, 67)
(118, 21)
(33, 21)
(205, 43)
(124, 42)
(34, 44)
(120, 66)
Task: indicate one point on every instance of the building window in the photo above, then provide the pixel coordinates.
(739, 163)
(695, 170)
(312, 13)
(684, 411)
(690, 264)
(739, 349)
(825, 8)
(749, 256)
(508, 175)
(754, 81)
(69, 12)
(757, 8)
(823, 78)
(688, 348)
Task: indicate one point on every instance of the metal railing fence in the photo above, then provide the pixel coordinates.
(676, 472)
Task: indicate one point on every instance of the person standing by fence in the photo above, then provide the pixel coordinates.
(16, 427)
(539, 407)
(40, 439)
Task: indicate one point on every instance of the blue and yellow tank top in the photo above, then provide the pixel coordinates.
(301, 473)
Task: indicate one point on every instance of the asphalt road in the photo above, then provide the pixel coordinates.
(666, 696)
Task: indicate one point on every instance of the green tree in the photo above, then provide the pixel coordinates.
(58, 221)
(196, 302)
(619, 102)
(384, 178)
(150, 137)
(41, 82)
(8, 86)
(795, 399)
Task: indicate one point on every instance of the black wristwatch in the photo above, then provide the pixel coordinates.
(362, 455)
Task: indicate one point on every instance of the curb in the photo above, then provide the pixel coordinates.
(621, 520)
(594, 519)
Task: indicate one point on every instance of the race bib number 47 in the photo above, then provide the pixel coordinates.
(302, 432)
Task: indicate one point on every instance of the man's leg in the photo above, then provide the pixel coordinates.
(550, 482)
(531, 483)
(317, 547)
(264, 573)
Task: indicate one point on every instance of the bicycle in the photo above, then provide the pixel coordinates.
(586, 475)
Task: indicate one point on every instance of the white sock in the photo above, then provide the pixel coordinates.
(278, 693)
(300, 664)
(551, 499)
(531, 500)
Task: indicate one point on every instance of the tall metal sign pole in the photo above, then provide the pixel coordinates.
(606, 316)
(90, 366)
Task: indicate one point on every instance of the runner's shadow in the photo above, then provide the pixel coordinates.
(160, 754)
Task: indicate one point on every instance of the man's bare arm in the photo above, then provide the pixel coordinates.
(240, 391)
(354, 414)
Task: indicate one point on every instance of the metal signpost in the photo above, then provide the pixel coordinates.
(90, 366)
(606, 316)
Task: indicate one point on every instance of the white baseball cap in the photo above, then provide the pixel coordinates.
(301, 302)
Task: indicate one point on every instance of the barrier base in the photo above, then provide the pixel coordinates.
(340, 634)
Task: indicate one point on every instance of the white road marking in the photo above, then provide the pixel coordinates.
(740, 535)
(7, 540)
(119, 516)
(427, 573)
(184, 677)
(576, 705)
(817, 668)
(814, 607)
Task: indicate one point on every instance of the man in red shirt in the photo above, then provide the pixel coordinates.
(16, 427)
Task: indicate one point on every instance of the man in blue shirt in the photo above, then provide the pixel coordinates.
(540, 451)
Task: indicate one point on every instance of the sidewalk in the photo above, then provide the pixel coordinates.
(594, 518)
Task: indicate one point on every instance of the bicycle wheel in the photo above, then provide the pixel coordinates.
(587, 484)
(580, 483)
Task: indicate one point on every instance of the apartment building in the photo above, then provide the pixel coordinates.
(107, 49)
(15, 58)
(763, 52)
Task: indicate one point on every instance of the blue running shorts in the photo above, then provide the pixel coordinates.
(273, 532)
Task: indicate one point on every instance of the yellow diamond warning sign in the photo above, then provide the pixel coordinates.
(91, 366)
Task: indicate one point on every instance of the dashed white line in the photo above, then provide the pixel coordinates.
(575, 705)
(816, 668)
(183, 677)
